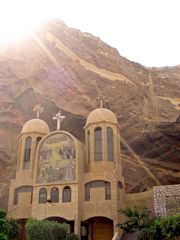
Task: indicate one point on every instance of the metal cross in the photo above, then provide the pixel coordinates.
(59, 119)
(101, 99)
(38, 109)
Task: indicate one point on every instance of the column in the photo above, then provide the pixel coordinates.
(77, 227)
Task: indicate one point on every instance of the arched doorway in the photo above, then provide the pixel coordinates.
(97, 228)
(63, 220)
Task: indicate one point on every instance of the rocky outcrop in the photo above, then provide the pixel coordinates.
(63, 68)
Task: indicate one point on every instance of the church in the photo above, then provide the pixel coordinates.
(59, 178)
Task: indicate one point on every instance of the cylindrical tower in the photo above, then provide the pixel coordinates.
(102, 139)
(31, 134)
(21, 188)
(103, 163)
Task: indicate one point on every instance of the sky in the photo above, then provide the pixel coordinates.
(144, 31)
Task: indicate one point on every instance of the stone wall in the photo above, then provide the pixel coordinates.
(140, 200)
(167, 200)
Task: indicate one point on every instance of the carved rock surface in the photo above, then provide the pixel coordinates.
(63, 68)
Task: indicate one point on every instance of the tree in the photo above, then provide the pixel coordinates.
(135, 220)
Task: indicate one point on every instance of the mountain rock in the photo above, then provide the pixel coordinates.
(63, 68)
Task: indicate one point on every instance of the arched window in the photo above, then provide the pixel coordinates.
(98, 184)
(27, 153)
(110, 144)
(19, 154)
(54, 195)
(38, 139)
(120, 184)
(42, 195)
(120, 187)
(66, 194)
(23, 189)
(88, 139)
(107, 190)
(98, 144)
(87, 191)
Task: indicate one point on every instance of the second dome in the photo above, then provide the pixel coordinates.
(101, 115)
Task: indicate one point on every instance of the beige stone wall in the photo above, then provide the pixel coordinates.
(62, 209)
(140, 200)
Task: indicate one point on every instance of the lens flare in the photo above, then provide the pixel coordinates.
(19, 17)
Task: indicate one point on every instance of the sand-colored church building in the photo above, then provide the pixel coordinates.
(62, 179)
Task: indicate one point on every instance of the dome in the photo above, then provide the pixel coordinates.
(101, 114)
(35, 125)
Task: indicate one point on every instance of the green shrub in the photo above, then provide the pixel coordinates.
(9, 228)
(14, 230)
(149, 228)
(72, 236)
(169, 226)
(3, 236)
(44, 229)
(135, 220)
(59, 231)
(2, 213)
(148, 233)
(38, 230)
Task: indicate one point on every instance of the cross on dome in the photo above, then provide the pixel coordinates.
(38, 109)
(59, 119)
(102, 99)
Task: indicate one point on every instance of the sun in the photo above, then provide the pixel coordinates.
(18, 18)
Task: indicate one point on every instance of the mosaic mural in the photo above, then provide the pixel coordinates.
(167, 200)
(56, 159)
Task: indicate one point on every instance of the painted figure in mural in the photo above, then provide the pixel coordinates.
(67, 152)
(70, 172)
(62, 173)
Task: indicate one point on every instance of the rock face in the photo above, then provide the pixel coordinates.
(63, 68)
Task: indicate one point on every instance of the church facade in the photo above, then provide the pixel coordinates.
(59, 178)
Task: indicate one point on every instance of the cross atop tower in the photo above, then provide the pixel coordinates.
(38, 109)
(102, 99)
(59, 119)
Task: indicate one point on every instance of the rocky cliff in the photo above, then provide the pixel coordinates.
(63, 68)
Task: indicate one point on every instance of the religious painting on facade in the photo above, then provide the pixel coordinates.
(56, 159)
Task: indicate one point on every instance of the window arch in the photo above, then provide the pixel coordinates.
(19, 153)
(110, 152)
(66, 194)
(89, 146)
(87, 191)
(98, 144)
(120, 188)
(107, 190)
(22, 189)
(98, 184)
(42, 195)
(54, 195)
(27, 153)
